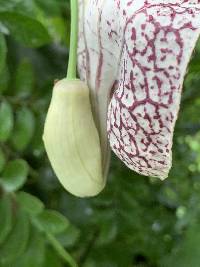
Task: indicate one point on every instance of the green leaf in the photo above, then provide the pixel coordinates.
(31, 204)
(34, 255)
(24, 79)
(4, 79)
(58, 28)
(5, 217)
(16, 242)
(3, 52)
(24, 29)
(52, 7)
(52, 222)
(52, 259)
(69, 237)
(2, 160)
(14, 175)
(6, 121)
(26, 7)
(9, 5)
(23, 129)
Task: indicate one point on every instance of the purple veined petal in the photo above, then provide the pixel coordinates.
(158, 42)
(101, 30)
(143, 48)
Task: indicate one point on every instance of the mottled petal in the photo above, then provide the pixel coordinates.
(158, 42)
(137, 53)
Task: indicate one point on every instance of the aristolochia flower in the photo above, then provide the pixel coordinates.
(133, 54)
(132, 59)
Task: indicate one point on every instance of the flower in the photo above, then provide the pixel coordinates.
(134, 56)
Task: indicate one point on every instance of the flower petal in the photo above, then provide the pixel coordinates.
(158, 42)
(98, 56)
(138, 51)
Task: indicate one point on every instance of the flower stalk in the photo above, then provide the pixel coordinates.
(71, 70)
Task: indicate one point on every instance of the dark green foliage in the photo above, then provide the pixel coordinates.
(14, 175)
(6, 121)
(6, 217)
(3, 52)
(15, 244)
(137, 221)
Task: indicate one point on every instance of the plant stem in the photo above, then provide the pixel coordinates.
(61, 251)
(71, 71)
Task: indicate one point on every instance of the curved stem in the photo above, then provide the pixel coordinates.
(61, 251)
(71, 71)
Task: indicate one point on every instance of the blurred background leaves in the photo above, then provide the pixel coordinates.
(136, 221)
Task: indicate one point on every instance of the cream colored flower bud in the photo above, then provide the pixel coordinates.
(71, 139)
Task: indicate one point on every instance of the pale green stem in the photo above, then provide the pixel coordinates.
(71, 71)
